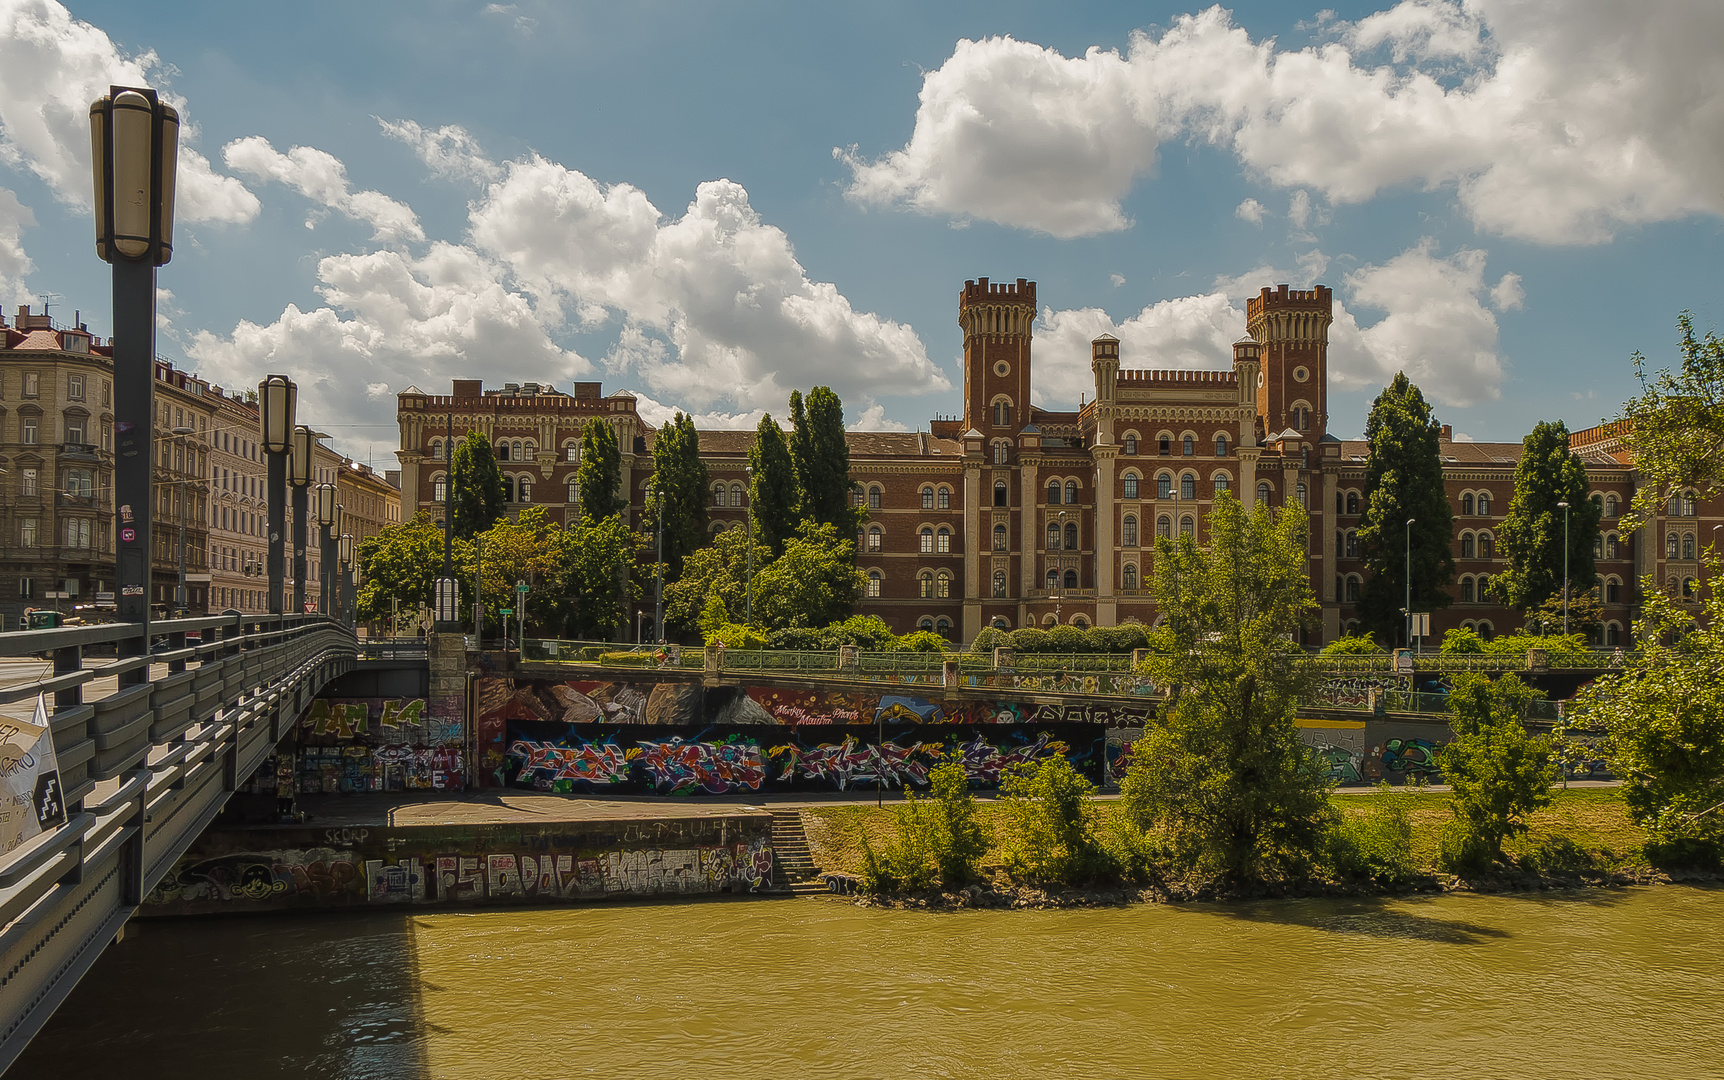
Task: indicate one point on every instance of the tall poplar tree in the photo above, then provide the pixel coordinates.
(1404, 480)
(772, 490)
(680, 480)
(801, 449)
(475, 486)
(600, 473)
(822, 457)
(1532, 534)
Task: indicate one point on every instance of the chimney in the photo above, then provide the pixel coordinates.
(1448, 433)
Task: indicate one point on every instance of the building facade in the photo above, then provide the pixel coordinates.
(1014, 515)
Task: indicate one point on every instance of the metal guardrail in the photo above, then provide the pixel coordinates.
(395, 649)
(145, 763)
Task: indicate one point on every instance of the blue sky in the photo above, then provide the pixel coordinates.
(712, 204)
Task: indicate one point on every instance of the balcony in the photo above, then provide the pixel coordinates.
(77, 451)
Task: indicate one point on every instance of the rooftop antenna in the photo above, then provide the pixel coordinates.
(45, 298)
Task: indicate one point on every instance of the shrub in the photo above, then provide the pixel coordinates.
(1028, 639)
(1499, 773)
(989, 640)
(738, 636)
(1067, 639)
(939, 839)
(923, 641)
(1376, 845)
(1048, 805)
(1462, 641)
(1353, 645)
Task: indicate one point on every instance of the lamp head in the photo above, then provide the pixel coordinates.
(304, 448)
(134, 156)
(326, 505)
(277, 401)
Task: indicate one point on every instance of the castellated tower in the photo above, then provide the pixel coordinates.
(1292, 326)
(996, 320)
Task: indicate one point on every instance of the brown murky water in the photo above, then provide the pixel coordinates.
(1620, 983)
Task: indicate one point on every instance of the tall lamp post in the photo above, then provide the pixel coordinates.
(337, 601)
(300, 470)
(1410, 522)
(134, 155)
(325, 557)
(748, 603)
(277, 400)
(1564, 505)
(346, 551)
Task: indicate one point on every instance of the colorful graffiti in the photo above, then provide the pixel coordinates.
(1360, 691)
(368, 744)
(314, 873)
(1410, 758)
(558, 768)
(677, 767)
(1119, 746)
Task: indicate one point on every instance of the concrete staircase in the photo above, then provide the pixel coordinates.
(792, 864)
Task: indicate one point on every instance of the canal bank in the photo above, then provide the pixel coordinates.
(464, 851)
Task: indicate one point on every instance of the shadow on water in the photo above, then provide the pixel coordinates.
(1410, 917)
(193, 997)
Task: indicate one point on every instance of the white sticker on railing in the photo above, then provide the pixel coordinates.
(31, 801)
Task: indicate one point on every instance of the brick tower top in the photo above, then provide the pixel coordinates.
(997, 321)
(1285, 301)
(1292, 329)
(983, 291)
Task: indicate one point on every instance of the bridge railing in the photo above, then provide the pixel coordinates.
(149, 744)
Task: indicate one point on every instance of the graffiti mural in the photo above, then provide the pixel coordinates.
(1409, 758)
(1359, 691)
(351, 745)
(320, 874)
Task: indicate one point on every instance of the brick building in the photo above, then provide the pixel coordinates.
(1014, 515)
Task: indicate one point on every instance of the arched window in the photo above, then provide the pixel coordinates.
(1263, 493)
(927, 536)
(1300, 493)
(1484, 504)
(1687, 545)
(1002, 413)
(1187, 526)
(943, 627)
(1486, 630)
(1484, 587)
(1688, 588)
(926, 624)
(1164, 486)
(875, 538)
(1221, 483)
(1610, 545)
(1688, 507)
(1301, 418)
(440, 490)
(436, 449)
(1189, 445)
(999, 584)
(1670, 543)
(1598, 547)
(1221, 446)
(927, 583)
(571, 451)
(1053, 580)
(503, 451)
(1613, 634)
(943, 541)
(1053, 492)
(1466, 590)
(1053, 536)
(1001, 496)
(873, 583)
(1188, 486)
(1352, 502)
(1598, 504)
(1002, 451)
(1128, 577)
(943, 585)
(524, 488)
(1612, 591)
(1071, 536)
(1352, 544)
(945, 500)
(999, 538)
(1352, 590)
(1131, 444)
(1467, 504)
(1071, 492)
(1164, 445)
(1487, 546)
(522, 453)
(1128, 532)
(927, 498)
(719, 495)
(1071, 579)
(1131, 486)
(1610, 506)
(736, 495)
(1466, 545)
(875, 493)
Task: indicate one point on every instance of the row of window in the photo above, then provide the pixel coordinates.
(511, 449)
(75, 386)
(74, 533)
(1187, 444)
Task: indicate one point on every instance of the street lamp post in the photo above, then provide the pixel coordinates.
(277, 400)
(300, 472)
(1564, 505)
(1410, 581)
(134, 144)
(346, 553)
(325, 542)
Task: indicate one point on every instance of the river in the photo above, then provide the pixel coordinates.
(1618, 983)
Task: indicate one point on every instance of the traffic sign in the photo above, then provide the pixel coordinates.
(521, 587)
(508, 611)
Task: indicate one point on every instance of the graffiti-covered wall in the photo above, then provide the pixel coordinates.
(351, 745)
(680, 738)
(233, 870)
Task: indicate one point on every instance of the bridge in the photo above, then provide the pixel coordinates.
(151, 735)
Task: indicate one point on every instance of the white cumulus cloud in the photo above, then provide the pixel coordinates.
(14, 264)
(52, 66)
(1250, 210)
(1556, 121)
(321, 177)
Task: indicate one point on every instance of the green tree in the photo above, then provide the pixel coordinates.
(400, 566)
(773, 495)
(1585, 614)
(1225, 778)
(601, 554)
(722, 568)
(1047, 804)
(600, 473)
(1674, 428)
(535, 550)
(815, 581)
(680, 492)
(939, 839)
(821, 455)
(476, 486)
(1404, 480)
(1661, 719)
(1500, 774)
(1532, 533)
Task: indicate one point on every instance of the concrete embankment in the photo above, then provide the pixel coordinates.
(376, 851)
